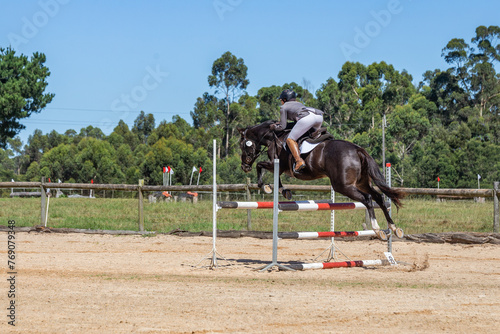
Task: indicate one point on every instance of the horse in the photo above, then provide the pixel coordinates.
(349, 167)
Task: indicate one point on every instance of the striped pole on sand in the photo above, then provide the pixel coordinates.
(344, 264)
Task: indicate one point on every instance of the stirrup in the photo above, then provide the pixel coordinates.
(301, 167)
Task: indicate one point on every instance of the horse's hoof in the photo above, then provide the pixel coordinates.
(381, 235)
(287, 194)
(399, 233)
(267, 189)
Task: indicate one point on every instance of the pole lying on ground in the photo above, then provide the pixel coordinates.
(343, 264)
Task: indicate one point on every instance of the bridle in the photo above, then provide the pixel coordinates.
(259, 143)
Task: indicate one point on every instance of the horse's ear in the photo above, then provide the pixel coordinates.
(241, 130)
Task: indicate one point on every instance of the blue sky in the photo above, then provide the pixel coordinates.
(111, 59)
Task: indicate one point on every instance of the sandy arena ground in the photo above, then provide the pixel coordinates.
(79, 283)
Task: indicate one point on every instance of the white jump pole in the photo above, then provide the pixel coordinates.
(389, 206)
(332, 248)
(213, 254)
(331, 255)
(275, 222)
(47, 211)
(213, 262)
(191, 179)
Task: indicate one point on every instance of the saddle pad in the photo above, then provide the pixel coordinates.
(307, 147)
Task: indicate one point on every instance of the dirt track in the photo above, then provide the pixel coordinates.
(77, 283)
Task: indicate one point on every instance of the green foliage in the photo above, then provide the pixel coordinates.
(6, 165)
(144, 125)
(229, 171)
(269, 106)
(22, 86)
(228, 74)
(229, 77)
(59, 162)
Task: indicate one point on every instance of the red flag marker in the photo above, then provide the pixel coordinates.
(439, 179)
(200, 170)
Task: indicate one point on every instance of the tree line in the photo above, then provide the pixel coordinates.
(446, 126)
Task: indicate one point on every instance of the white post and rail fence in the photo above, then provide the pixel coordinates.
(140, 188)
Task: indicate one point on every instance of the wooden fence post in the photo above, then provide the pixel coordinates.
(496, 214)
(141, 206)
(43, 201)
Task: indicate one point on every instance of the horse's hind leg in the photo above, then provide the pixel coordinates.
(379, 199)
(287, 193)
(365, 198)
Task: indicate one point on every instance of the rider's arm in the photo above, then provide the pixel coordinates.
(283, 118)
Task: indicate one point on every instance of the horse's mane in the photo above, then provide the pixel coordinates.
(266, 124)
(258, 128)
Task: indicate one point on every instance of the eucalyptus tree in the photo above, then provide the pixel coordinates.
(229, 77)
(472, 75)
(144, 124)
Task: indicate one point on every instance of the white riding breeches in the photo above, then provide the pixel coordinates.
(305, 123)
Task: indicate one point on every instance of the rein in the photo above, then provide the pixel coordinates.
(276, 141)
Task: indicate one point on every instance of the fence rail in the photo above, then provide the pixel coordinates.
(43, 186)
(235, 187)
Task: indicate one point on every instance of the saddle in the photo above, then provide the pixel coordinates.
(309, 140)
(312, 137)
(315, 137)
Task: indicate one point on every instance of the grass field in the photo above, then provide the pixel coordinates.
(417, 216)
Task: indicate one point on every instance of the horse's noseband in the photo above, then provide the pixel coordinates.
(250, 157)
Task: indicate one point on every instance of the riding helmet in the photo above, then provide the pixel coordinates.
(287, 95)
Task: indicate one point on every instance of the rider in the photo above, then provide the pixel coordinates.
(306, 118)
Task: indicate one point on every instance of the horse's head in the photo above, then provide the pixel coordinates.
(250, 150)
(251, 141)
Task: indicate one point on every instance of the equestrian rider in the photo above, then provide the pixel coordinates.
(305, 117)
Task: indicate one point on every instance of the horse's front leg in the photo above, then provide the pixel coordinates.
(262, 166)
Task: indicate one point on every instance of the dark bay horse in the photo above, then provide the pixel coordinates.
(349, 167)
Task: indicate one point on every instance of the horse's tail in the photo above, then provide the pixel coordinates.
(378, 178)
